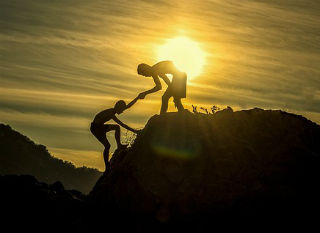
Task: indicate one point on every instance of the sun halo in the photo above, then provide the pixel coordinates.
(185, 53)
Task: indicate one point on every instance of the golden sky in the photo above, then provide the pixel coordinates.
(63, 61)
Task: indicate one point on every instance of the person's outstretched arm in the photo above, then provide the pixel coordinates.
(156, 88)
(129, 105)
(124, 125)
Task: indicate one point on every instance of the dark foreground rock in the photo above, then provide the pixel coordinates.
(189, 173)
(194, 171)
(27, 204)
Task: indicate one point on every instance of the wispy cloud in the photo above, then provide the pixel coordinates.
(63, 61)
(88, 158)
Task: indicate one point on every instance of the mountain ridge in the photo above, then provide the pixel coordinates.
(20, 155)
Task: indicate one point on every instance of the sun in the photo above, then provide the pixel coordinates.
(185, 53)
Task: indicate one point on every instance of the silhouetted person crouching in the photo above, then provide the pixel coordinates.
(99, 129)
(176, 87)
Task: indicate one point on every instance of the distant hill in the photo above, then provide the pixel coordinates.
(19, 155)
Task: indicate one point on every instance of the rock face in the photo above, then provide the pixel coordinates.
(189, 171)
(27, 204)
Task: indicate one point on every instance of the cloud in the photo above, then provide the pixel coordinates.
(79, 157)
(63, 61)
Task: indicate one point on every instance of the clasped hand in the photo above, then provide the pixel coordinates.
(142, 95)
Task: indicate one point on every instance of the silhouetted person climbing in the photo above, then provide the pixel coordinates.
(99, 129)
(176, 88)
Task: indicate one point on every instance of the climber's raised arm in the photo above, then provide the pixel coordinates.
(129, 105)
(156, 88)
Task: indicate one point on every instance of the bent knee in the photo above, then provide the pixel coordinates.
(107, 146)
(117, 128)
(165, 97)
(113, 127)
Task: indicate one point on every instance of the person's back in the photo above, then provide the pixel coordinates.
(164, 67)
(104, 116)
(179, 79)
(176, 87)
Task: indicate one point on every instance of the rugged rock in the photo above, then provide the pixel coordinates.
(187, 171)
(27, 204)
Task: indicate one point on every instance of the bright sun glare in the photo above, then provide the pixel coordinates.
(185, 54)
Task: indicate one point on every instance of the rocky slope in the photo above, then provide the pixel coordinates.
(30, 205)
(246, 170)
(189, 171)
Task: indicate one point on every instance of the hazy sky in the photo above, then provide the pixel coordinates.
(62, 61)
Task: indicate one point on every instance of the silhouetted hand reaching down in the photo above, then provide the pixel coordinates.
(142, 95)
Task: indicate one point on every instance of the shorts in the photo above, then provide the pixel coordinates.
(99, 130)
(179, 86)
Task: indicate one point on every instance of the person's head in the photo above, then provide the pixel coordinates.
(120, 106)
(144, 69)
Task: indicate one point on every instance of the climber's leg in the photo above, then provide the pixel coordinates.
(165, 99)
(106, 153)
(116, 128)
(178, 104)
(99, 131)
